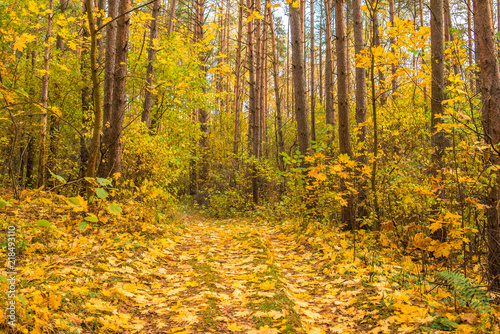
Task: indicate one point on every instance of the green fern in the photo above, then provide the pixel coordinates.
(466, 291)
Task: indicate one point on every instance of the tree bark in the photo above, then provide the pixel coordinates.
(251, 79)
(109, 71)
(101, 4)
(265, 71)
(348, 216)
(449, 36)
(148, 94)
(201, 112)
(264, 67)
(85, 95)
(438, 139)
(113, 153)
(381, 77)
(312, 87)
(299, 81)
(394, 81)
(320, 54)
(94, 150)
(30, 160)
(42, 163)
(63, 5)
(329, 100)
(360, 73)
(258, 84)
(287, 71)
(279, 121)
(171, 14)
(237, 88)
(469, 43)
(490, 95)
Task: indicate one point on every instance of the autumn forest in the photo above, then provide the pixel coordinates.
(249, 166)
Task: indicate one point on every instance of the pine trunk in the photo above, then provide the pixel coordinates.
(348, 217)
(438, 139)
(329, 100)
(237, 88)
(490, 94)
(299, 81)
(113, 152)
(279, 121)
(148, 94)
(94, 150)
(312, 87)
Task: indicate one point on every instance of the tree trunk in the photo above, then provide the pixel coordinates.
(313, 92)
(94, 150)
(171, 14)
(375, 4)
(449, 36)
(348, 217)
(447, 21)
(299, 81)
(113, 153)
(360, 105)
(265, 69)
(30, 160)
(320, 54)
(237, 88)
(263, 89)
(421, 12)
(438, 139)
(42, 162)
(148, 94)
(302, 7)
(394, 81)
(109, 71)
(54, 118)
(287, 71)
(258, 84)
(469, 43)
(329, 100)
(63, 5)
(101, 4)
(490, 94)
(279, 121)
(202, 113)
(251, 79)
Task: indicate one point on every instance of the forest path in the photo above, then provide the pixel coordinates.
(235, 276)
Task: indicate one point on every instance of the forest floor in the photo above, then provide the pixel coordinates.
(134, 271)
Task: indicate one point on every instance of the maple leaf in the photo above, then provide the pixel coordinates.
(267, 285)
(233, 327)
(315, 330)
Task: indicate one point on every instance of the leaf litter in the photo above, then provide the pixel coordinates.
(127, 272)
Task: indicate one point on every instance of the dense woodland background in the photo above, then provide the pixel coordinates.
(378, 115)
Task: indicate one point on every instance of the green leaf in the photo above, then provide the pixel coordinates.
(159, 216)
(22, 92)
(101, 193)
(92, 219)
(82, 226)
(22, 299)
(103, 182)
(115, 208)
(44, 223)
(3, 278)
(4, 203)
(74, 201)
(59, 177)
